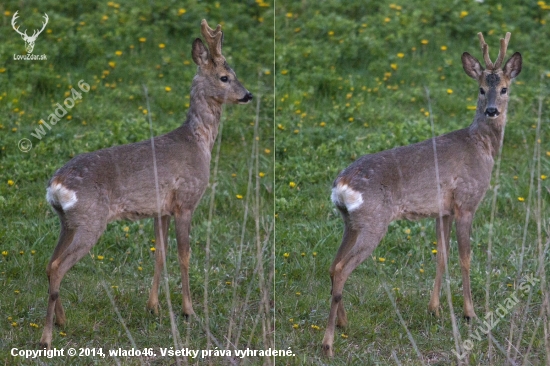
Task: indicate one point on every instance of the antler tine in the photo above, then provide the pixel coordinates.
(485, 50)
(13, 21)
(213, 38)
(502, 51)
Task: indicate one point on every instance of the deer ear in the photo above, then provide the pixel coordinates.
(472, 66)
(200, 53)
(513, 66)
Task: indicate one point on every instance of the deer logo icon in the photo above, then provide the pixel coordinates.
(29, 40)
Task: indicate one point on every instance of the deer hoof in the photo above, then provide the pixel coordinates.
(153, 308)
(327, 350)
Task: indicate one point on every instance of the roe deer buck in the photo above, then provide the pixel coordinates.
(444, 177)
(119, 182)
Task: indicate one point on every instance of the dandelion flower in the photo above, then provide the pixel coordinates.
(152, 249)
(142, 39)
(322, 124)
(284, 72)
(100, 257)
(261, 174)
(239, 197)
(112, 64)
(286, 255)
(381, 259)
(181, 11)
(125, 229)
(10, 182)
(267, 151)
(421, 270)
(393, 66)
(162, 45)
(424, 41)
(5, 253)
(345, 336)
(118, 53)
(521, 199)
(400, 55)
(463, 14)
(543, 177)
(168, 89)
(443, 48)
(139, 268)
(449, 91)
(292, 184)
(434, 251)
(331, 33)
(295, 326)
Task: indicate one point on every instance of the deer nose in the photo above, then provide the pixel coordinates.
(247, 98)
(491, 112)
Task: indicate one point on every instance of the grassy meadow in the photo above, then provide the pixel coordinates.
(117, 48)
(351, 79)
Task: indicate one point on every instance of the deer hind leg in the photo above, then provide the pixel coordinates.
(83, 239)
(161, 245)
(65, 238)
(463, 231)
(348, 241)
(443, 231)
(183, 225)
(356, 247)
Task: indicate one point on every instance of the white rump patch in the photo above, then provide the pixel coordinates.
(343, 195)
(59, 195)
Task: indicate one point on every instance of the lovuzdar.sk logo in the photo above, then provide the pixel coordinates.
(29, 40)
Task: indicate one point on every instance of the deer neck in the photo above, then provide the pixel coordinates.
(203, 116)
(489, 132)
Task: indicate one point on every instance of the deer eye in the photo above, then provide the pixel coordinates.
(503, 91)
(225, 79)
(481, 91)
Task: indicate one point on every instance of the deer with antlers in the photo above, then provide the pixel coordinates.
(29, 40)
(159, 178)
(444, 178)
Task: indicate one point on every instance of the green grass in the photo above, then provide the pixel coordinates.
(351, 80)
(81, 43)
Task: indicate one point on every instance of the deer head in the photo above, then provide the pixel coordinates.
(29, 40)
(493, 80)
(220, 81)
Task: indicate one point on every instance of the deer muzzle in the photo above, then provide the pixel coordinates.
(492, 111)
(247, 98)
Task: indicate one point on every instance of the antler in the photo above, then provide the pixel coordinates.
(13, 25)
(213, 38)
(485, 50)
(25, 35)
(501, 52)
(503, 48)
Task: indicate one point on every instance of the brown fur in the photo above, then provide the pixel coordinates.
(402, 183)
(119, 182)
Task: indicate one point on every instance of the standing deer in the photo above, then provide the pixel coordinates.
(444, 177)
(29, 40)
(119, 182)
